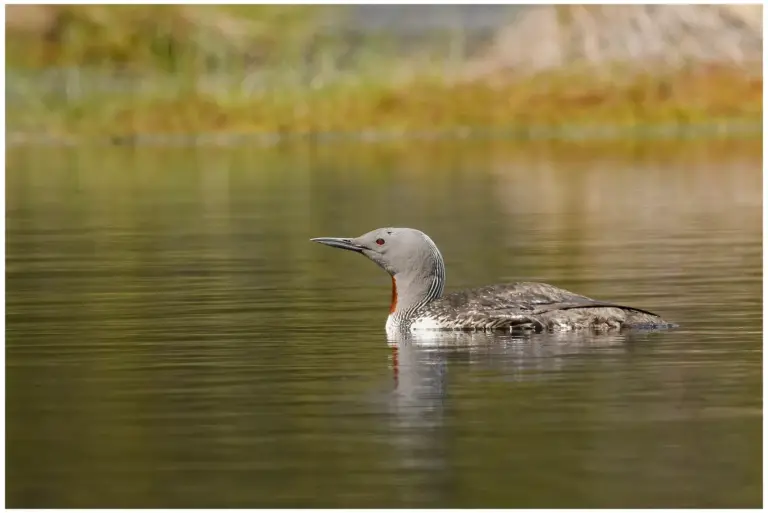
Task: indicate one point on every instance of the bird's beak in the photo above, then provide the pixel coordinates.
(337, 242)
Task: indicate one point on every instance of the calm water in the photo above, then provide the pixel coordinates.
(174, 339)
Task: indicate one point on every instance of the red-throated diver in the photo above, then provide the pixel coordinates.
(418, 278)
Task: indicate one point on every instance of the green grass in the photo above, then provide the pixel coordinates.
(421, 105)
(170, 38)
(174, 50)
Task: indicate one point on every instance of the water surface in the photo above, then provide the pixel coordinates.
(174, 339)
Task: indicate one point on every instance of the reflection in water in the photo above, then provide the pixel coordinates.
(419, 405)
(518, 356)
(174, 340)
(422, 414)
(417, 420)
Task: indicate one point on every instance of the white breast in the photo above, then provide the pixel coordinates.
(425, 324)
(421, 324)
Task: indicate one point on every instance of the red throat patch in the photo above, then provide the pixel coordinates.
(394, 296)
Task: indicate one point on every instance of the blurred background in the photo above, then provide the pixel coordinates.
(173, 339)
(292, 69)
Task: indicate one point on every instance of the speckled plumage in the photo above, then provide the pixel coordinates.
(527, 306)
(418, 279)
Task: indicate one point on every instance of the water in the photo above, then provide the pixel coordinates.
(174, 339)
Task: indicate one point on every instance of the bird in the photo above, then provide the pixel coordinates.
(418, 278)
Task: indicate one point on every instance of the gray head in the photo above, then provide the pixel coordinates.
(408, 255)
(396, 250)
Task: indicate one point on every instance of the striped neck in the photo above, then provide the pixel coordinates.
(417, 287)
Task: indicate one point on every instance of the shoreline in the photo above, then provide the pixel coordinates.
(526, 108)
(723, 129)
(245, 76)
(228, 71)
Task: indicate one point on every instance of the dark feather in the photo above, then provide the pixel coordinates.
(532, 306)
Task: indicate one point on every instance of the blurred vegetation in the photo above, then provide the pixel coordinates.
(170, 38)
(125, 70)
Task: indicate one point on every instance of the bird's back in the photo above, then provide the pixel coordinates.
(528, 305)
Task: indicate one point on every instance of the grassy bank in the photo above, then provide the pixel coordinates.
(266, 70)
(421, 105)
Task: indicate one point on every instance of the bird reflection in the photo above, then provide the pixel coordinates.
(419, 407)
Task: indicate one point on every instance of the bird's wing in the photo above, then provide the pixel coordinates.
(518, 305)
(522, 295)
(570, 305)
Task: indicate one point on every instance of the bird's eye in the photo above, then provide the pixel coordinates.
(380, 242)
